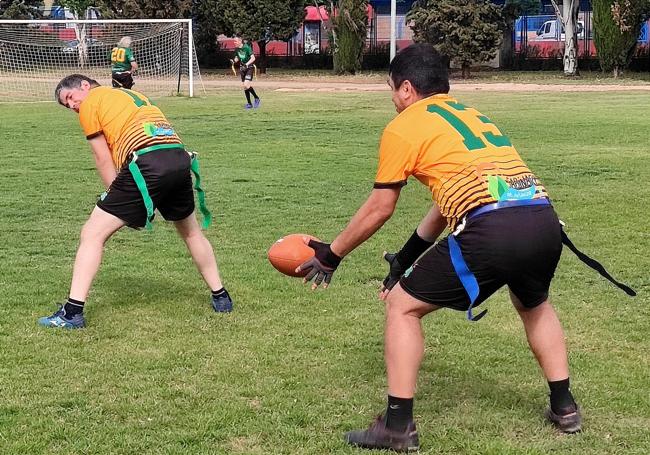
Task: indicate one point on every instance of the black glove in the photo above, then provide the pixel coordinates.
(401, 261)
(321, 267)
(395, 271)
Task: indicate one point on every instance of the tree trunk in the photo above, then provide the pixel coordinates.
(262, 66)
(465, 67)
(506, 53)
(570, 21)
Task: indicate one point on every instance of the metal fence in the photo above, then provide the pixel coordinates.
(538, 42)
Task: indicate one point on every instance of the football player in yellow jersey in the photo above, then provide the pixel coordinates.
(144, 166)
(496, 209)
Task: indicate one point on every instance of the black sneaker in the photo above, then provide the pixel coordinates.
(568, 421)
(377, 436)
(222, 304)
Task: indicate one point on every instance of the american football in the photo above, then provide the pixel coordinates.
(289, 252)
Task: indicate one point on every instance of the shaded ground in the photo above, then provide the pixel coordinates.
(329, 85)
(525, 81)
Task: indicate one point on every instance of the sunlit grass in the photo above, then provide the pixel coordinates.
(157, 372)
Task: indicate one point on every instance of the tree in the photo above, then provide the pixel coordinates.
(256, 20)
(349, 29)
(617, 24)
(133, 9)
(148, 9)
(206, 30)
(466, 31)
(512, 9)
(569, 19)
(79, 7)
(19, 9)
(516, 8)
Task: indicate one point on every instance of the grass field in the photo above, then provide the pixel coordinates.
(157, 372)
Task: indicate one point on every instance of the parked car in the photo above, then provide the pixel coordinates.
(554, 31)
(73, 45)
(94, 52)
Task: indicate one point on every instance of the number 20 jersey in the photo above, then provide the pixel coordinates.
(458, 153)
(121, 58)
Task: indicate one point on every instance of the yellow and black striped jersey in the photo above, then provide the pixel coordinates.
(127, 119)
(458, 153)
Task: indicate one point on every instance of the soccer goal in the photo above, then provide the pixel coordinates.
(36, 54)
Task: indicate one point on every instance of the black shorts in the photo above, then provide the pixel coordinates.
(122, 80)
(169, 182)
(247, 74)
(519, 247)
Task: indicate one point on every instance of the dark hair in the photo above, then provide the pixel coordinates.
(72, 81)
(423, 66)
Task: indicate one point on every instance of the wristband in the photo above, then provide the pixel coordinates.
(328, 257)
(324, 253)
(412, 249)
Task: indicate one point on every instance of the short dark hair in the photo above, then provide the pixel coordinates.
(72, 81)
(423, 66)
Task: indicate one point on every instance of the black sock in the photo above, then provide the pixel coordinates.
(399, 413)
(248, 95)
(72, 307)
(562, 401)
(252, 92)
(219, 293)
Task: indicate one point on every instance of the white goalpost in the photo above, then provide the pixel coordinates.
(36, 54)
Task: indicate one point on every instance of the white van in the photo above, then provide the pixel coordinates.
(554, 31)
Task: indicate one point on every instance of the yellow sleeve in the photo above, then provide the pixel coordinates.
(89, 118)
(397, 159)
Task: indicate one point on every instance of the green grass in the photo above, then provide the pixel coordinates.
(157, 372)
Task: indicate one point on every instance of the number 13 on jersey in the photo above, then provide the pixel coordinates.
(470, 139)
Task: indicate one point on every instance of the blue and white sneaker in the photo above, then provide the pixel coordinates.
(58, 319)
(257, 103)
(248, 106)
(223, 303)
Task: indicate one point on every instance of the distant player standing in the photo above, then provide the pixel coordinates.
(144, 166)
(244, 55)
(123, 64)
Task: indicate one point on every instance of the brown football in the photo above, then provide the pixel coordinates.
(289, 252)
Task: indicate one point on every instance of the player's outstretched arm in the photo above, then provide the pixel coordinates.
(371, 216)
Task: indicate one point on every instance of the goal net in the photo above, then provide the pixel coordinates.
(36, 54)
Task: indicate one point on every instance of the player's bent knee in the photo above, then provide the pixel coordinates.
(188, 227)
(400, 303)
(100, 226)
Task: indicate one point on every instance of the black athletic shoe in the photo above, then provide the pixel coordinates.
(377, 436)
(568, 421)
(222, 304)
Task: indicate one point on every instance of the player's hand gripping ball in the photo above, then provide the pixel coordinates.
(289, 252)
